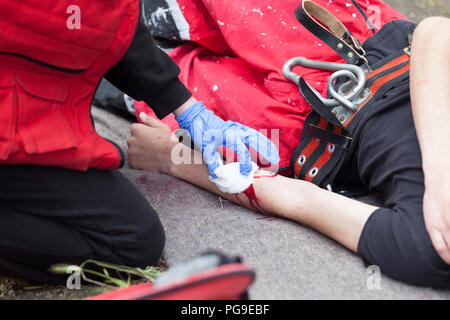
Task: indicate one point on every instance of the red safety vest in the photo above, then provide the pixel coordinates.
(49, 71)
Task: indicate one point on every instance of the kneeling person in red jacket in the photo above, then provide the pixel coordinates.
(56, 204)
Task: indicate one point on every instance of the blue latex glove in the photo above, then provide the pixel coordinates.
(209, 132)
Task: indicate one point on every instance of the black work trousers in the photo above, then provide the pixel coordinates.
(52, 215)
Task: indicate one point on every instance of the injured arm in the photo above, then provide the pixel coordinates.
(153, 146)
(333, 215)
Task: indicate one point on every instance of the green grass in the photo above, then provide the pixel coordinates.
(100, 277)
(111, 275)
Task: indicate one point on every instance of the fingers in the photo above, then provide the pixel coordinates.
(131, 143)
(138, 134)
(261, 144)
(244, 159)
(135, 129)
(446, 254)
(149, 125)
(151, 121)
(441, 245)
(211, 158)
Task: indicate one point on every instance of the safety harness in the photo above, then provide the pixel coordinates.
(330, 127)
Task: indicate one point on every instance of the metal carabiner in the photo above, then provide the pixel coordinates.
(345, 93)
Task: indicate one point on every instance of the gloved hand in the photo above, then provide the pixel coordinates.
(209, 132)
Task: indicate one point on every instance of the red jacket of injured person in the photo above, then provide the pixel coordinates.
(235, 51)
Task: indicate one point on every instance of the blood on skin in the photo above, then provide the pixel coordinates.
(252, 197)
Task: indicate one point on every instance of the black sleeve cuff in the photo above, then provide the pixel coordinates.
(169, 99)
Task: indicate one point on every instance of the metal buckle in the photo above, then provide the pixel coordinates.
(353, 42)
(347, 98)
(407, 50)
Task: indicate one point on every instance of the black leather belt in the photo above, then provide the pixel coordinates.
(337, 36)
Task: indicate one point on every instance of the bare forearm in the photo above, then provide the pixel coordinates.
(335, 216)
(153, 147)
(191, 169)
(430, 95)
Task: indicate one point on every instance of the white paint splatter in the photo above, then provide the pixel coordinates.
(215, 87)
(257, 10)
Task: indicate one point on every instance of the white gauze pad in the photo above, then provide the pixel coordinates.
(230, 180)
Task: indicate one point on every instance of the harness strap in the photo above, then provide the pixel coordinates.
(336, 35)
(331, 137)
(324, 145)
(313, 100)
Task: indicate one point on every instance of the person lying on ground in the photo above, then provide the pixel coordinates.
(407, 237)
